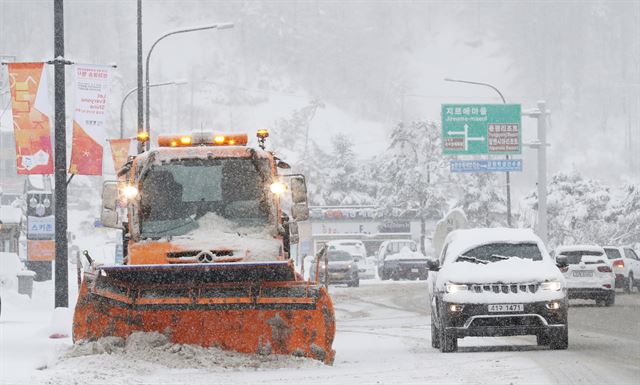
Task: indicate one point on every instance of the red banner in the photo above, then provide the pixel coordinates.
(119, 152)
(31, 109)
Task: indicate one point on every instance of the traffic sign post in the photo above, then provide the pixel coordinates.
(477, 129)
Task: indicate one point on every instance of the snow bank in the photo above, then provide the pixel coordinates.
(10, 266)
(216, 232)
(406, 254)
(155, 348)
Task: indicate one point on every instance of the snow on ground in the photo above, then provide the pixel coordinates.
(383, 336)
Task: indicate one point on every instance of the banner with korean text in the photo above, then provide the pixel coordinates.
(31, 110)
(89, 128)
(119, 152)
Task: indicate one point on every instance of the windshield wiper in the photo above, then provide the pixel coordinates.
(167, 232)
(469, 258)
(498, 256)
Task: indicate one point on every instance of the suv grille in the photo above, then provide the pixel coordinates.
(504, 288)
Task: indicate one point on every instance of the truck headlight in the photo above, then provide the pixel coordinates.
(551, 285)
(455, 288)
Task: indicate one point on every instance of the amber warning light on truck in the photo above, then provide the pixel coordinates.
(203, 139)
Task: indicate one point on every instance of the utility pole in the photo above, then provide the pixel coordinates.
(140, 90)
(61, 273)
(540, 144)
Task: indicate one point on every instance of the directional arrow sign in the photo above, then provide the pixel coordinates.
(472, 129)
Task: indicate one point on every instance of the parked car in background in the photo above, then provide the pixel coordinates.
(625, 264)
(340, 268)
(496, 282)
(400, 259)
(366, 269)
(588, 273)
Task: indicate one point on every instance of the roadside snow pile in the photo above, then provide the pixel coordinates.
(10, 266)
(155, 348)
(405, 254)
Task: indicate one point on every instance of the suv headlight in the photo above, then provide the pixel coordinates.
(455, 287)
(552, 285)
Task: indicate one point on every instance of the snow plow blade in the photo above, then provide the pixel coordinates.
(246, 307)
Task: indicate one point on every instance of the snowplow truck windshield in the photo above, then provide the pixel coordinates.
(207, 255)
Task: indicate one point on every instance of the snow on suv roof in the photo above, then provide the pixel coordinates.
(459, 241)
(565, 248)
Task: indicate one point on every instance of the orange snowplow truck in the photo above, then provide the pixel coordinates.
(207, 252)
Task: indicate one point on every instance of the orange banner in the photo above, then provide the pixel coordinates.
(119, 152)
(31, 109)
(41, 250)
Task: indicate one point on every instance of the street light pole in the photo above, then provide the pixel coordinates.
(508, 177)
(134, 90)
(147, 86)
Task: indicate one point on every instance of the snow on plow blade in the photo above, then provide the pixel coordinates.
(246, 307)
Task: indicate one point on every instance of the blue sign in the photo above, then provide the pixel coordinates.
(502, 165)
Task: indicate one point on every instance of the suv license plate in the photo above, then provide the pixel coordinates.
(414, 270)
(508, 307)
(583, 273)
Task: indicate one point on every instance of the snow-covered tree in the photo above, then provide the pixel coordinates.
(412, 174)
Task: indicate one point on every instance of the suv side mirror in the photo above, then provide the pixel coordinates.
(433, 265)
(561, 261)
(108, 214)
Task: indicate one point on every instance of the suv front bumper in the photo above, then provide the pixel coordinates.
(475, 320)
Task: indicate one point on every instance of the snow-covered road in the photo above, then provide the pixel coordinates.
(382, 337)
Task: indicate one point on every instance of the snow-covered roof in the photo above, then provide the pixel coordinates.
(568, 248)
(10, 215)
(460, 241)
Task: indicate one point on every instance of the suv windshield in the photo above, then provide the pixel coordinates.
(574, 257)
(339, 256)
(175, 195)
(613, 253)
(501, 251)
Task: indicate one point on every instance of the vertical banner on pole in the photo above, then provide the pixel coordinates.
(31, 110)
(119, 152)
(89, 129)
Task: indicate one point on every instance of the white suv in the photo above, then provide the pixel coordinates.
(588, 273)
(496, 282)
(626, 266)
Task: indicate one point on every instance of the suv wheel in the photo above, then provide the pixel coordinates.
(559, 339)
(628, 288)
(611, 299)
(435, 338)
(448, 341)
(356, 283)
(384, 275)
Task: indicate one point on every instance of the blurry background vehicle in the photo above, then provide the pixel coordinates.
(400, 259)
(366, 269)
(341, 268)
(625, 265)
(588, 273)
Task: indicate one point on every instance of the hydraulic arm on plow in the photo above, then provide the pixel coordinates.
(207, 253)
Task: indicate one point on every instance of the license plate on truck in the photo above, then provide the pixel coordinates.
(506, 307)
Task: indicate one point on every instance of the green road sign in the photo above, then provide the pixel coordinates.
(473, 129)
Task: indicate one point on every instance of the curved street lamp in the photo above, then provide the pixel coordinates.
(131, 91)
(147, 86)
(508, 178)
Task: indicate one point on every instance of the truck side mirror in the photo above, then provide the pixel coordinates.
(108, 214)
(298, 189)
(300, 212)
(294, 236)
